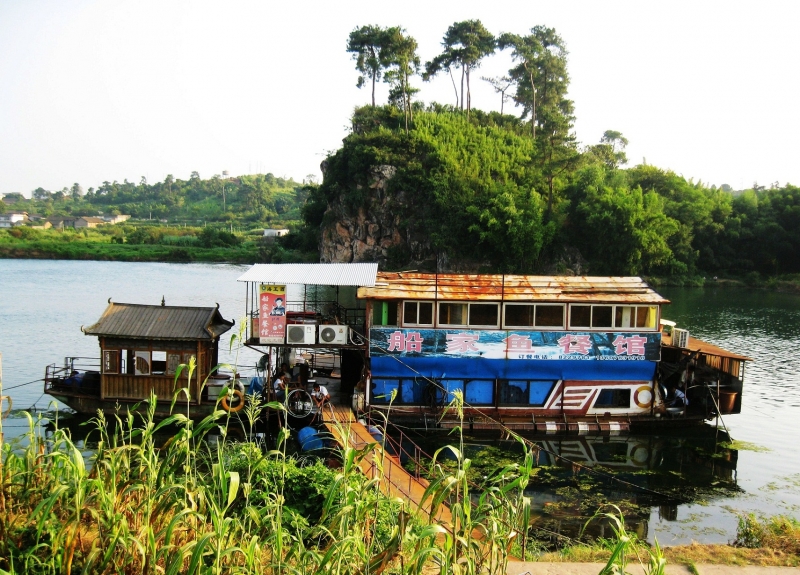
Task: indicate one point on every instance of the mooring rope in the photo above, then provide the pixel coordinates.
(23, 384)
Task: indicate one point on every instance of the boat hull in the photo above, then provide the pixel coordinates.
(89, 405)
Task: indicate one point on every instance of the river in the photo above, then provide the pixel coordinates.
(43, 304)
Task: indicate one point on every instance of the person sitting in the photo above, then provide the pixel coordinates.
(279, 386)
(320, 395)
(676, 397)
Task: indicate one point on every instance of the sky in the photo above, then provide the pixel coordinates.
(96, 90)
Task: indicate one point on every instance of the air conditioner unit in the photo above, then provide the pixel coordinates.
(333, 334)
(301, 334)
(680, 337)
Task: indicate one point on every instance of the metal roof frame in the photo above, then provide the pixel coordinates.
(358, 275)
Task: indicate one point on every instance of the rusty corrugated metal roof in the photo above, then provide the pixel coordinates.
(139, 321)
(495, 287)
(360, 274)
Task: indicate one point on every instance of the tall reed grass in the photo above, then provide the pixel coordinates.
(196, 505)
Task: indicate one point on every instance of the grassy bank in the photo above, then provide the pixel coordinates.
(131, 243)
(247, 253)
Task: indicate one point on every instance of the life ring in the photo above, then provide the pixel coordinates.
(226, 404)
(643, 403)
(640, 455)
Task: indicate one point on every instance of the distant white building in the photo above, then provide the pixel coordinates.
(11, 219)
(273, 233)
(117, 219)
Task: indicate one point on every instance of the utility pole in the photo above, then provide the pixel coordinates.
(224, 175)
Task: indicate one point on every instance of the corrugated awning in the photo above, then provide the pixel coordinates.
(359, 275)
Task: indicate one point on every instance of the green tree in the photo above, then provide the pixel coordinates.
(465, 45)
(500, 84)
(611, 149)
(76, 192)
(402, 63)
(541, 82)
(368, 46)
(619, 230)
(40, 194)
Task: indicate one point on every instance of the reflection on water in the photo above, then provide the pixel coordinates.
(642, 475)
(638, 474)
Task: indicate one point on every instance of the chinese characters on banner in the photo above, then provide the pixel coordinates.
(495, 344)
(272, 313)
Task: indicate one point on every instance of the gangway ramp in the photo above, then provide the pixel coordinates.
(342, 423)
(395, 480)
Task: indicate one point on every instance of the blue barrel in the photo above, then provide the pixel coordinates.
(309, 439)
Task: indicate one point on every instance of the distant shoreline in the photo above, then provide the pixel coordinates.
(127, 252)
(249, 254)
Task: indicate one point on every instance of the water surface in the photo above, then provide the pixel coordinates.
(43, 304)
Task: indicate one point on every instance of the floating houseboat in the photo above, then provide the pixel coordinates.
(535, 353)
(527, 352)
(141, 349)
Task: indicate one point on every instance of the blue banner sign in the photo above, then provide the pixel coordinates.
(530, 345)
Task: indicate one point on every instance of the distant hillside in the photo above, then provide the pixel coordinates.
(249, 201)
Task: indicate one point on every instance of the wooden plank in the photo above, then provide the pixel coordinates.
(395, 480)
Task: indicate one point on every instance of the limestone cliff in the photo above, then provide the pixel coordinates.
(370, 232)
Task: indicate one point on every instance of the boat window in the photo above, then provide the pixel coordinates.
(483, 314)
(531, 393)
(616, 316)
(625, 316)
(549, 315)
(580, 315)
(629, 316)
(111, 361)
(518, 315)
(601, 315)
(384, 312)
(513, 392)
(142, 362)
(527, 315)
(479, 392)
(453, 314)
(158, 364)
(610, 398)
(173, 361)
(417, 313)
(646, 316)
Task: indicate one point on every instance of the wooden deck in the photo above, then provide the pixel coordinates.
(395, 480)
(342, 423)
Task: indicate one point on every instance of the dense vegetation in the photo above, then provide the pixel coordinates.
(243, 202)
(472, 190)
(183, 497)
(219, 219)
(520, 195)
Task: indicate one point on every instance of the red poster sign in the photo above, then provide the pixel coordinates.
(272, 313)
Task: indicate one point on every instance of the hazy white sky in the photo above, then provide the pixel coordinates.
(96, 90)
